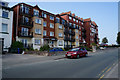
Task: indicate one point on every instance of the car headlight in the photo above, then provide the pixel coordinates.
(75, 53)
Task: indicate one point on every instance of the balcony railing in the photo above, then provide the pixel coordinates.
(66, 38)
(25, 34)
(28, 13)
(24, 23)
(72, 33)
(66, 31)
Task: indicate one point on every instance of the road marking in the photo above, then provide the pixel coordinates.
(108, 69)
(101, 77)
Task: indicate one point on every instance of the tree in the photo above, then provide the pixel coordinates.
(17, 44)
(104, 40)
(118, 38)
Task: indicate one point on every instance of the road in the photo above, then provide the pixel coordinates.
(93, 66)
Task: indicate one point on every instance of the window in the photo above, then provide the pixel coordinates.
(60, 43)
(60, 26)
(70, 24)
(76, 37)
(80, 38)
(38, 21)
(57, 20)
(5, 14)
(73, 19)
(51, 25)
(80, 33)
(70, 18)
(44, 33)
(76, 31)
(26, 19)
(51, 33)
(45, 15)
(37, 41)
(79, 27)
(63, 21)
(24, 31)
(76, 43)
(51, 18)
(77, 21)
(60, 34)
(37, 31)
(74, 25)
(27, 10)
(36, 12)
(44, 24)
(4, 27)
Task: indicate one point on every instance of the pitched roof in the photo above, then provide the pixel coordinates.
(88, 19)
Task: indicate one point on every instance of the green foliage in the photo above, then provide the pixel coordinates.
(45, 48)
(118, 38)
(104, 40)
(63, 49)
(17, 44)
(31, 49)
(93, 44)
(88, 49)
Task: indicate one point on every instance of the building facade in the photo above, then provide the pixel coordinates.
(35, 27)
(6, 21)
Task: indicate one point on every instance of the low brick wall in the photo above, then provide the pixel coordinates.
(46, 53)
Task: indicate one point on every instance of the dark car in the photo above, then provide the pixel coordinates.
(76, 53)
(56, 49)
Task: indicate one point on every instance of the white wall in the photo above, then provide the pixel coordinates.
(9, 21)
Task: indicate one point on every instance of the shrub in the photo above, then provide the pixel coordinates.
(45, 48)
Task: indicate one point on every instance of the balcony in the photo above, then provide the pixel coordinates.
(22, 22)
(57, 21)
(66, 38)
(76, 27)
(72, 40)
(25, 34)
(72, 33)
(83, 30)
(71, 26)
(27, 13)
(66, 31)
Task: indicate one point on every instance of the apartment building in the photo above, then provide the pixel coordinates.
(91, 32)
(75, 28)
(35, 27)
(6, 20)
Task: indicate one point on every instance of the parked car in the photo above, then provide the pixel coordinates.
(55, 49)
(76, 53)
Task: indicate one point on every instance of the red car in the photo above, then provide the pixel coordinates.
(76, 53)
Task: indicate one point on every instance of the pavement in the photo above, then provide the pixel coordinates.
(101, 64)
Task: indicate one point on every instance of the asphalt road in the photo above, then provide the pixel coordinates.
(92, 66)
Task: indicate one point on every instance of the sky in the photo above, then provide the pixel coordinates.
(105, 14)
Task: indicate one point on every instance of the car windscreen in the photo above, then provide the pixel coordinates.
(75, 49)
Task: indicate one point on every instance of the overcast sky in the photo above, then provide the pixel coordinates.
(105, 14)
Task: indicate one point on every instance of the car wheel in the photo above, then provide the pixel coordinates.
(78, 56)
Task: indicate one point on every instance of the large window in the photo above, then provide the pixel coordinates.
(51, 18)
(57, 20)
(77, 43)
(60, 26)
(36, 12)
(44, 33)
(60, 43)
(24, 31)
(51, 33)
(51, 25)
(73, 19)
(27, 10)
(5, 14)
(37, 41)
(37, 31)
(76, 37)
(44, 15)
(26, 19)
(70, 18)
(45, 24)
(4, 27)
(60, 35)
(38, 21)
(76, 31)
(74, 25)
